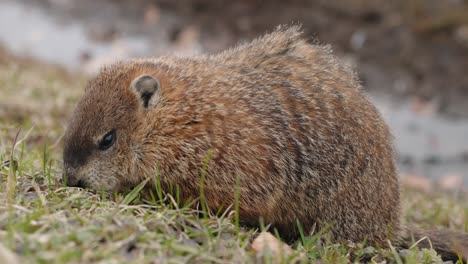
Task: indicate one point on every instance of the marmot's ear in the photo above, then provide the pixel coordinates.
(147, 87)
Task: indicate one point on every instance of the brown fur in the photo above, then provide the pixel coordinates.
(281, 115)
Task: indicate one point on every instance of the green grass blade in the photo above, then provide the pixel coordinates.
(132, 195)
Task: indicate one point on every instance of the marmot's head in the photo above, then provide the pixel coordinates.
(104, 146)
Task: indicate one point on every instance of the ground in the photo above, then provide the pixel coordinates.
(43, 221)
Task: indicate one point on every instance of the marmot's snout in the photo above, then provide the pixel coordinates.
(70, 177)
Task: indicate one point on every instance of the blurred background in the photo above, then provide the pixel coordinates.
(412, 56)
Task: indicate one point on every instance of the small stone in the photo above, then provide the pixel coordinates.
(267, 244)
(422, 106)
(152, 15)
(417, 182)
(358, 39)
(368, 250)
(404, 252)
(450, 182)
(7, 256)
(187, 38)
(461, 34)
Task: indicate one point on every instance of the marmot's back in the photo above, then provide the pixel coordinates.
(279, 114)
(337, 150)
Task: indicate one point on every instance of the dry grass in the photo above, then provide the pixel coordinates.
(45, 222)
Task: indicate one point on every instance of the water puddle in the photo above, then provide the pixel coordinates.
(27, 30)
(427, 143)
(83, 45)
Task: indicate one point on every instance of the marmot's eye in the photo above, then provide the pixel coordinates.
(107, 140)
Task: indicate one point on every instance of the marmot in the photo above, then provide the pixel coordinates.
(281, 119)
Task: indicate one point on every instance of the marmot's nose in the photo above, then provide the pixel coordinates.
(71, 180)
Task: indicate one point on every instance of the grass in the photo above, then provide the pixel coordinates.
(41, 221)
